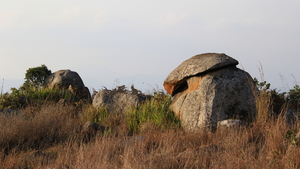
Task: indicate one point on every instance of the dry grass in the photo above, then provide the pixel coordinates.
(47, 137)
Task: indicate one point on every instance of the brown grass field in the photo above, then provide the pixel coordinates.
(49, 137)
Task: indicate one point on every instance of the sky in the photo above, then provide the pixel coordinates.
(112, 43)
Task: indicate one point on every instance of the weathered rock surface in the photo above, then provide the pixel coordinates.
(214, 92)
(116, 101)
(67, 79)
(195, 66)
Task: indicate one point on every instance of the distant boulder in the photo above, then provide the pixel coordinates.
(117, 101)
(69, 80)
(209, 88)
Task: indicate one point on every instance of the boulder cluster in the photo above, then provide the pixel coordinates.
(208, 91)
(114, 100)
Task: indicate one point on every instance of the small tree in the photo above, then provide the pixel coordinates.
(36, 76)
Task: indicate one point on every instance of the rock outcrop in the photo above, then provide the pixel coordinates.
(209, 88)
(70, 80)
(116, 101)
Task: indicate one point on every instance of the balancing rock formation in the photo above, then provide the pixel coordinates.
(67, 79)
(209, 88)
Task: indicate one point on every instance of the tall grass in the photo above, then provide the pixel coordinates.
(148, 136)
(36, 128)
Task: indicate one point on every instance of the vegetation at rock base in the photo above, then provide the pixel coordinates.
(37, 131)
(32, 93)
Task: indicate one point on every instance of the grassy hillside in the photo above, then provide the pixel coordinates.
(41, 133)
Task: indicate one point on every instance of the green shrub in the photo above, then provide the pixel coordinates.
(155, 111)
(12, 100)
(294, 97)
(36, 76)
(277, 99)
(96, 115)
(19, 98)
(262, 86)
(33, 93)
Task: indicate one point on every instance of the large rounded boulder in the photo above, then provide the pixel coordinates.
(209, 88)
(69, 80)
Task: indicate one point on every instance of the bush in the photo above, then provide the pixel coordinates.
(294, 97)
(96, 115)
(32, 92)
(19, 98)
(36, 76)
(276, 99)
(262, 86)
(155, 111)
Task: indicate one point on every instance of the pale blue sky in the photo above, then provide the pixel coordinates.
(140, 42)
